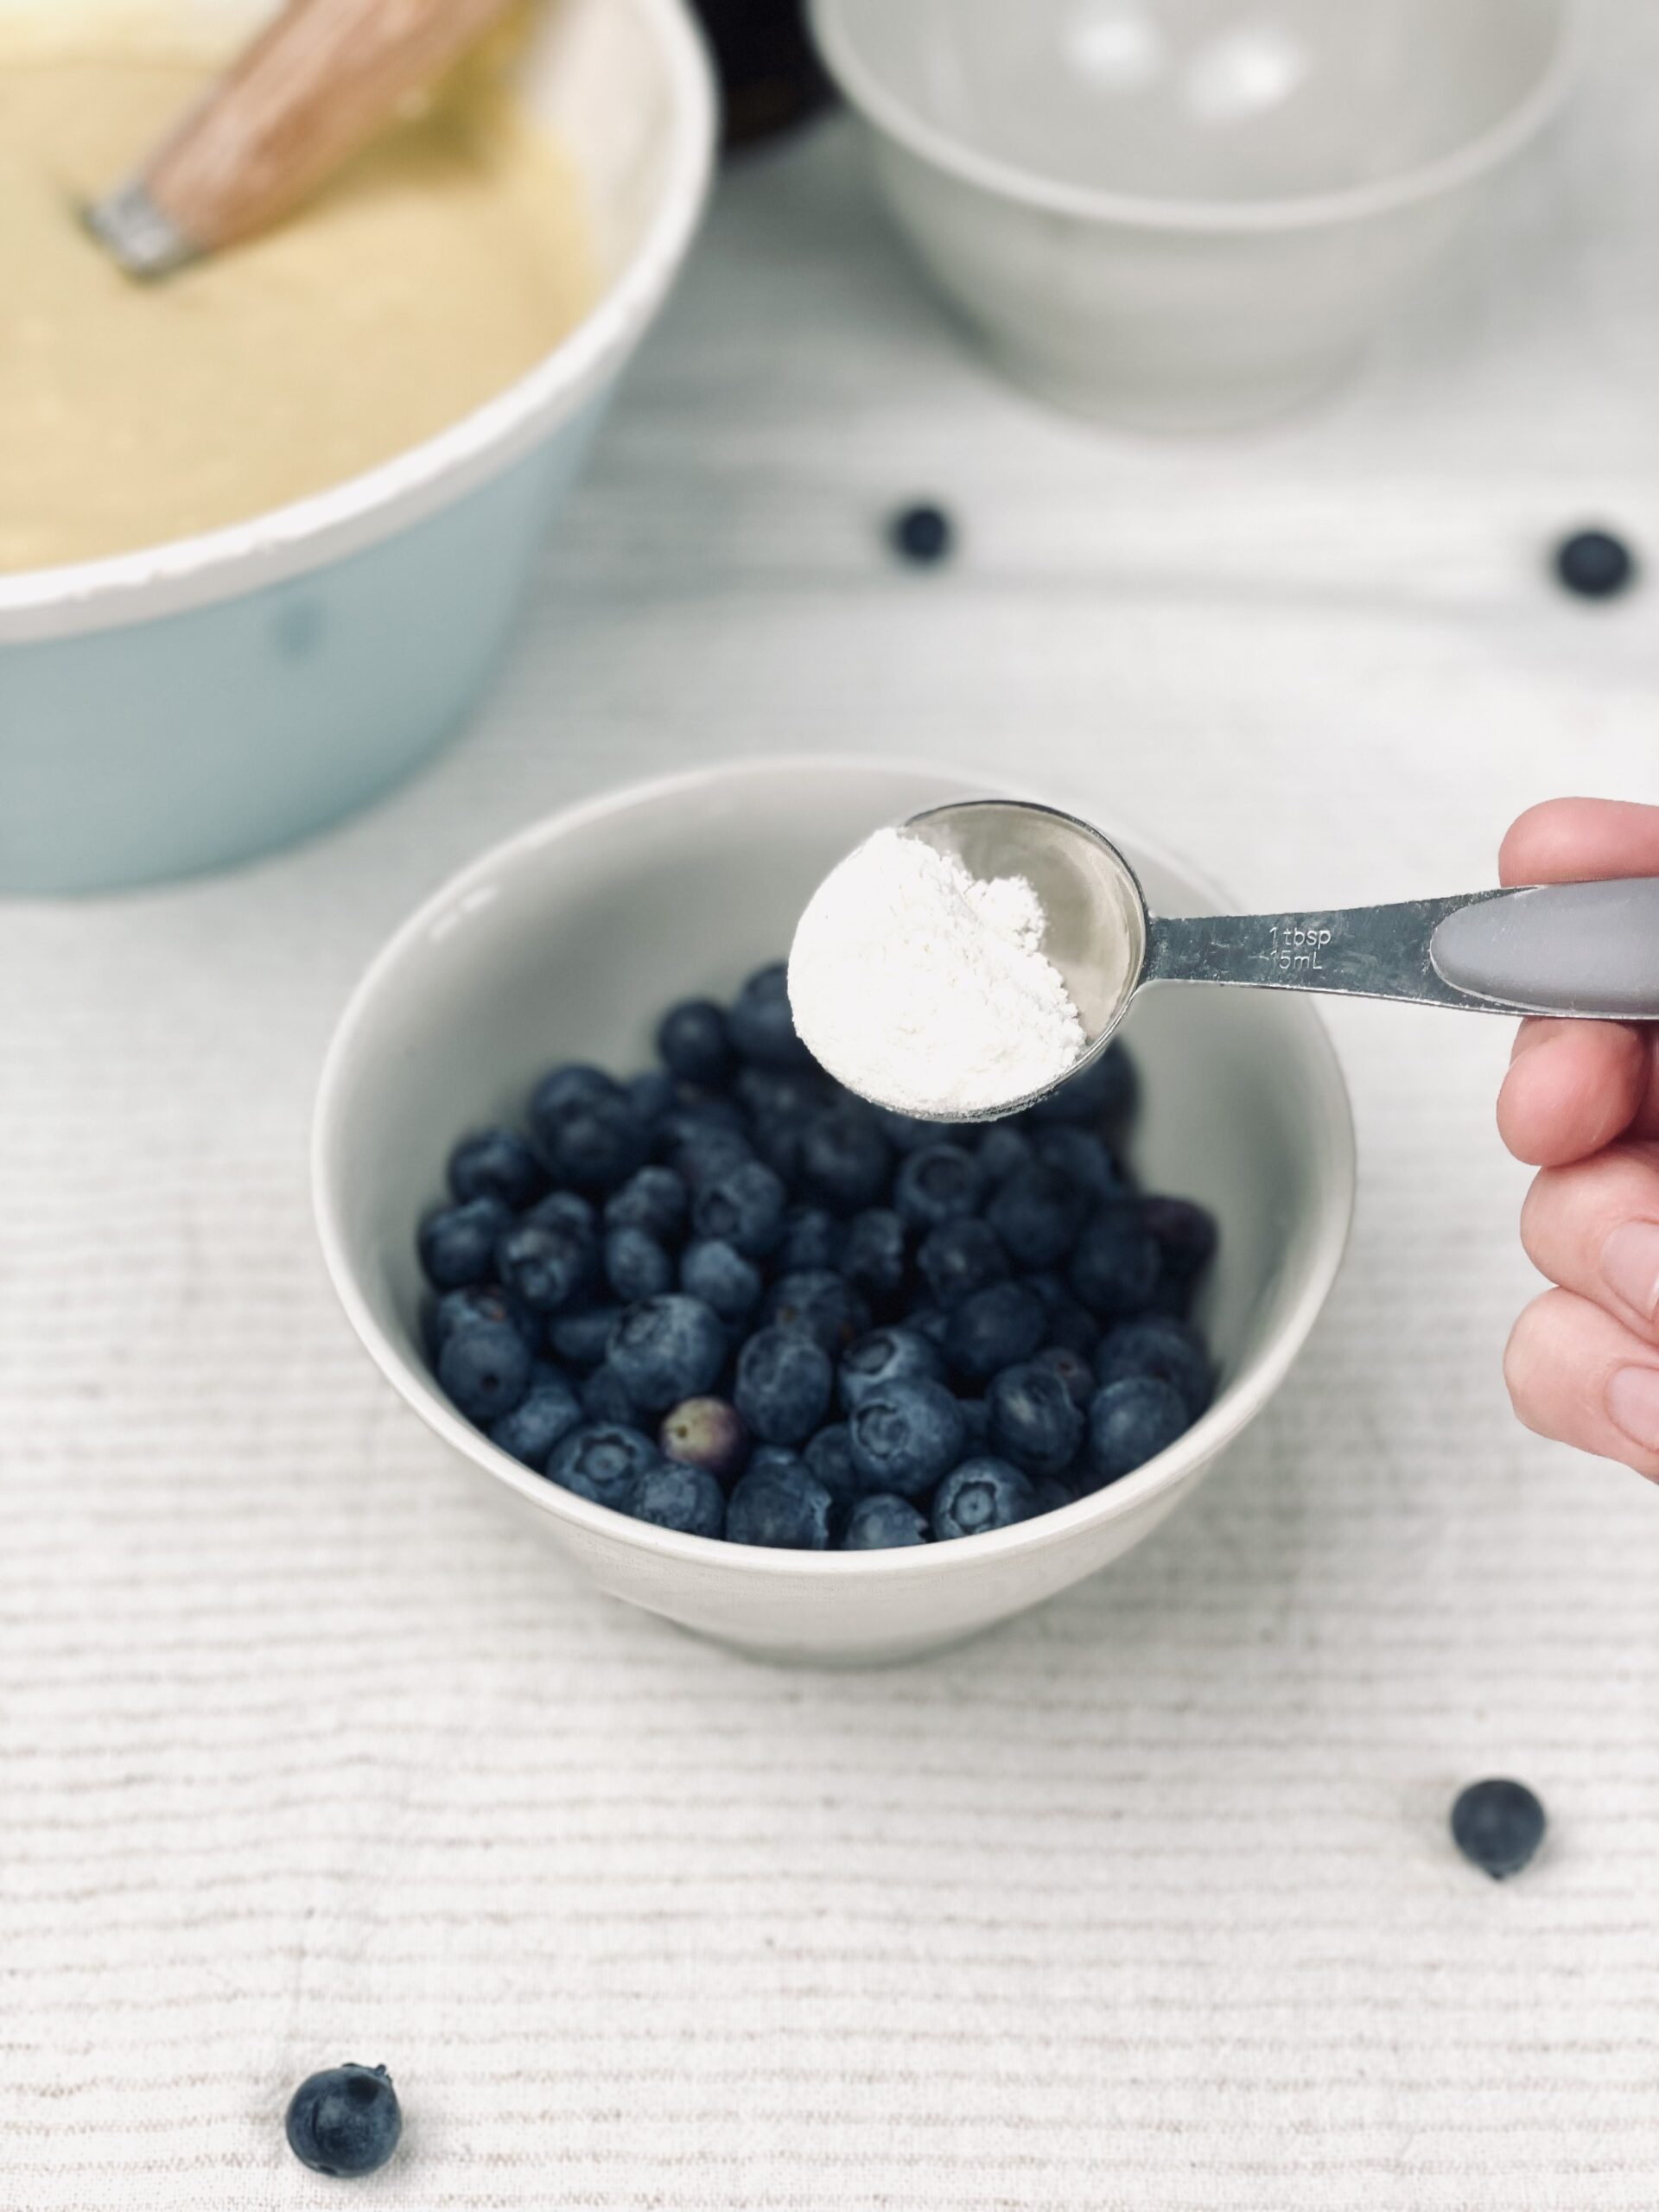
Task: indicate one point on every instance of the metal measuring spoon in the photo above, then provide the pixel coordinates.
(1584, 951)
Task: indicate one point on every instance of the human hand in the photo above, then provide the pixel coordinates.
(1581, 1102)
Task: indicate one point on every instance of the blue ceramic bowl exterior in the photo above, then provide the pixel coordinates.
(159, 748)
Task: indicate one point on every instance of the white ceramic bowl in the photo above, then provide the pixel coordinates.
(567, 942)
(1188, 213)
(193, 703)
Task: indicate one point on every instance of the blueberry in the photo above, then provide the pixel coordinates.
(811, 1238)
(939, 1183)
(479, 1301)
(1594, 563)
(605, 1397)
(744, 1208)
(345, 2121)
(698, 1112)
(566, 1088)
(994, 1329)
(1038, 1212)
(496, 1163)
(1114, 1268)
(679, 1496)
(960, 1257)
(1051, 1493)
(845, 1161)
(882, 1524)
(783, 1507)
(549, 1409)
(484, 1367)
(692, 1040)
(597, 1144)
(976, 1426)
(904, 1435)
(722, 1278)
(1104, 1091)
(784, 1381)
(1081, 1157)
(1069, 1324)
(794, 1096)
(828, 1459)
(565, 1210)
(1005, 1150)
(832, 1312)
(1159, 1347)
(1074, 1369)
(652, 1096)
(602, 1461)
(549, 1269)
(776, 1459)
(1184, 1233)
(582, 1337)
(704, 1433)
(923, 534)
(760, 1025)
(654, 1199)
(1130, 1422)
(636, 1265)
(904, 1132)
(888, 1355)
(666, 1349)
(873, 1256)
(927, 1321)
(1035, 1421)
(1498, 1825)
(702, 1151)
(980, 1495)
(457, 1244)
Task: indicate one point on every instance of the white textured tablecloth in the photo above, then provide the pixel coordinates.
(1146, 1901)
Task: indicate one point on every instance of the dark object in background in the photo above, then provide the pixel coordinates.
(770, 80)
(922, 534)
(1595, 565)
(1498, 1825)
(345, 2120)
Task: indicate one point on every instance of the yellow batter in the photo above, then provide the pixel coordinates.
(435, 270)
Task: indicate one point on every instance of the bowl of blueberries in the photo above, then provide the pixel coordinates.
(820, 1381)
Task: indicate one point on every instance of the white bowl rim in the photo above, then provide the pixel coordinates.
(185, 572)
(875, 99)
(1237, 1406)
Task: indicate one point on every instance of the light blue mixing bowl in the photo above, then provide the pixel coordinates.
(195, 704)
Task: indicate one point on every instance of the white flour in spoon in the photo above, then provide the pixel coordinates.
(927, 991)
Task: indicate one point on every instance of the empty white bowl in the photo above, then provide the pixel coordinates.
(567, 942)
(1188, 213)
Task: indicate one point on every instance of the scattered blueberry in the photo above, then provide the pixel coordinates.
(760, 1025)
(636, 1265)
(845, 1161)
(783, 1507)
(744, 1208)
(652, 1096)
(723, 1278)
(1069, 1324)
(783, 1383)
(704, 1433)
(549, 1269)
(565, 1089)
(692, 1040)
(904, 1132)
(597, 1144)
(565, 1210)
(1038, 1213)
(654, 1199)
(828, 1459)
(922, 534)
(1035, 1421)
(666, 1349)
(939, 1183)
(1074, 1369)
(1004, 1149)
(1184, 1233)
(830, 1310)
(680, 1495)
(980, 1495)
(928, 1321)
(345, 2121)
(550, 1410)
(994, 1329)
(1165, 1349)
(1594, 563)
(701, 1150)
(485, 1366)
(888, 1355)
(582, 1337)
(873, 1256)
(457, 1244)
(1498, 1825)
(1081, 1157)
(883, 1523)
(1130, 1422)
(1114, 1268)
(605, 1397)
(960, 1257)
(602, 1461)
(480, 1301)
(496, 1163)
(811, 1238)
(904, 1435)
(976, 1427)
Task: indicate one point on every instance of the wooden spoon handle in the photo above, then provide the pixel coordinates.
(308, 91)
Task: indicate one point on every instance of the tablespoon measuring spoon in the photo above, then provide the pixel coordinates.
(1581, 951)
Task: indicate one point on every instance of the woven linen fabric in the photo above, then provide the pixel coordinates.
(1144, 1903)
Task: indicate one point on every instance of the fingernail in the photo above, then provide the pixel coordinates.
(1633, 1403)
(1629, 1264)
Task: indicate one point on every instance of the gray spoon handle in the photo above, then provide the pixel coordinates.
(1585, 949)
